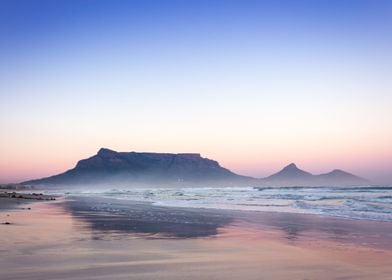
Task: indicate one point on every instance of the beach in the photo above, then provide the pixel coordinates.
(98, 238)
(15, 200)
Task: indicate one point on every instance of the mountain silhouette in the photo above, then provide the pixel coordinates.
(290, 172)
(109, 168)
(291, 175)
(133, 168)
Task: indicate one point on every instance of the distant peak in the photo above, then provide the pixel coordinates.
(290, 172)
(291, 166)
(338, 171)
(106, 152)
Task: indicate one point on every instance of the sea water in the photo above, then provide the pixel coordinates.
(363, 202)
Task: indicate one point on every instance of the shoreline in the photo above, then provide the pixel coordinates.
(132, 217)
(163, 221)
(91, 238)
(10, 199)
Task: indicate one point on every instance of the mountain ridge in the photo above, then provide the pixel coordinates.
(291, 175)
(182, 169)
(111, 167)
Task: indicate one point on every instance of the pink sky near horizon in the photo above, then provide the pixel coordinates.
(256, 141)
(250, 134)
(373, 166)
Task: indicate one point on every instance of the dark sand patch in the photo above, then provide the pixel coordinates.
(111, 215)
(13, 200)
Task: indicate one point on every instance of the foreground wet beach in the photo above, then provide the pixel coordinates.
(90, 238)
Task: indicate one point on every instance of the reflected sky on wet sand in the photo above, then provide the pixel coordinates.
(71, 240)
(106, 217)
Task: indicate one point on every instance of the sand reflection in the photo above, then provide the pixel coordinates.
(67, 241)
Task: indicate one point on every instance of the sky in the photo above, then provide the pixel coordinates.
(255, 85)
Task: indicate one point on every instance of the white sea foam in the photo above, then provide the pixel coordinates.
(367, 202)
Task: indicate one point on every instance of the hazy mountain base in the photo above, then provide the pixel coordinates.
(291, 175)
(130, 169)
(123, 169)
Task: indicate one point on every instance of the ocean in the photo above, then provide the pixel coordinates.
(362, 202)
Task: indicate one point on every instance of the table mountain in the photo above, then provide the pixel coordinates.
(125, 169)
(133, 168)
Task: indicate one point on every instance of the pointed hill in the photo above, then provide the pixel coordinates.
(290, 172)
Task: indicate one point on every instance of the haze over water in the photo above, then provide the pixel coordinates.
(358, 203)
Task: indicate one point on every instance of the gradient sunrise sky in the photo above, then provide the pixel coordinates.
(253, 84)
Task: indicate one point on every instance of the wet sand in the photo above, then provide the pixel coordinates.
(88, 238)
(14, 200)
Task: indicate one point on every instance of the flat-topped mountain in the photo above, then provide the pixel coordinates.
(129, 168)
(125, 169)
(291, 175)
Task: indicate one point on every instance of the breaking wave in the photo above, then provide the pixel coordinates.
(366, 202)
